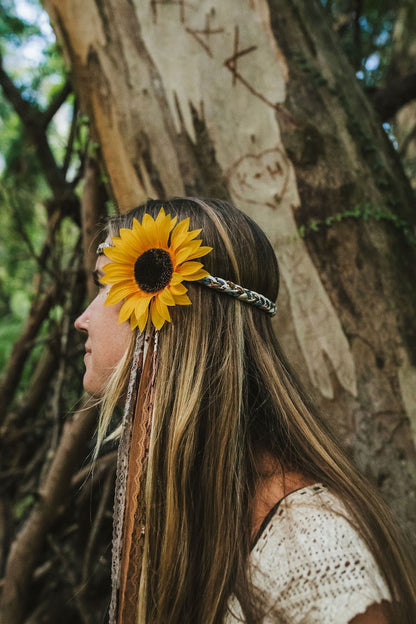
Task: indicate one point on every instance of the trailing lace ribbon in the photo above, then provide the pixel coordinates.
(121, 474)
(134, 516)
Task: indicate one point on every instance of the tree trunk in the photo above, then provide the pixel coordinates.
(402, 64)
(255, 101)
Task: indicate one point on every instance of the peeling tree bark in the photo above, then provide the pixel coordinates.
(255, 101)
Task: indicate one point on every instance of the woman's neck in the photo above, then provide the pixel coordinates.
(273, 485)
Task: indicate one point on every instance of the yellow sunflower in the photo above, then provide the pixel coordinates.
(149, 264)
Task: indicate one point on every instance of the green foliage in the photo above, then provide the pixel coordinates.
(10, 328)
(31, 55)
(366, 37)
(22, 506)
(18, 265)
(12, 28)
(20, 164)
(33, 61)
(363, 212)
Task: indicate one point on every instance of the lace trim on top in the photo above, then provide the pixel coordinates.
(309, 564)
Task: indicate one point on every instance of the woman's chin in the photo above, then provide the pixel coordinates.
(92, 387)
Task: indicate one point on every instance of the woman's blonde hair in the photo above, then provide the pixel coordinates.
(225, 394)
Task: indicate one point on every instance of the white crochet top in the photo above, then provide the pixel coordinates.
(309, 564)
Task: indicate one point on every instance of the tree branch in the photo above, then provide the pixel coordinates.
(92, 211)
(23, 108)
(56, 102)
(391, 99)
(21, 349)
(93, 473)
(71, 138)
(33, 121)
(357, 12)
(28, 544)
(35, 394)
(105, 494)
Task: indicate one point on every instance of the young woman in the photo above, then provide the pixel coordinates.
(233, 502)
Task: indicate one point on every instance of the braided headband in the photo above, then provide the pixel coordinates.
(239, 292)
(149, 264)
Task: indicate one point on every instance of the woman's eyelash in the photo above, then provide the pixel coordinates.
(96, 280)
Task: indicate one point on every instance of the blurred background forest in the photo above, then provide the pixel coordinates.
(50, 169)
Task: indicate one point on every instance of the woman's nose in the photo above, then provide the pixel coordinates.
(81, 323)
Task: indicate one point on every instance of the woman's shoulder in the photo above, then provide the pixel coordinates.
(310, 518)
(311, 562)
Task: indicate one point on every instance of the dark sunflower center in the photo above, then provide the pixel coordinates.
(153, 270)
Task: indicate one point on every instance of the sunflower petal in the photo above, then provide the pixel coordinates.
(149, 226)
(176, 279)
(186, 250)
(133, 321)
(157, 318)
(119, 291)
(182, 300)
(197, 276)
(188, 237)
(142, 303)
(126, 309)
(126, 237)
(142, 318)
(193, 233)
(163, 225)
(137, 230)
(188, 268)
(161, 215)
(133, 247)
(162, 309)
(119, 271)
(115, 278)
(179, 289)
(166, 298)
(191, 250)
(166, 220)
(117, 255)
(179, 234)
(201, 251)
(142, 241)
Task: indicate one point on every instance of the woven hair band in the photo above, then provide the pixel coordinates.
(237, 291)
(228, 288)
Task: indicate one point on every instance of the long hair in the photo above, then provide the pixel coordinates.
(225, 394)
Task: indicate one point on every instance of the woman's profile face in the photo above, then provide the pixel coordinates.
(107, 340)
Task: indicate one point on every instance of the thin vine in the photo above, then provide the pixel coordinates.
(364, 212)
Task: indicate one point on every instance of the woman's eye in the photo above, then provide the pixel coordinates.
(97, 282)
